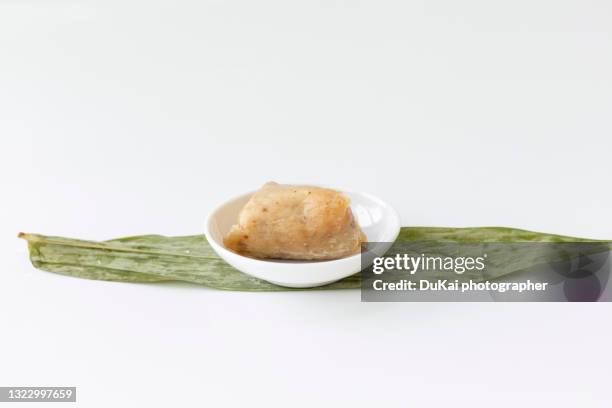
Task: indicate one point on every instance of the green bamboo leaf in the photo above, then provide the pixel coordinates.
(156, 258)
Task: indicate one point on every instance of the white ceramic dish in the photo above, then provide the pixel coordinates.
(377, 219)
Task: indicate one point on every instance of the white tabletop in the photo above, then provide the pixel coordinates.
(130, 117)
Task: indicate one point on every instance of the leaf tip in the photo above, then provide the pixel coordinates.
(26, 236)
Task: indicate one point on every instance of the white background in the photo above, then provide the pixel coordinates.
(128, 117)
